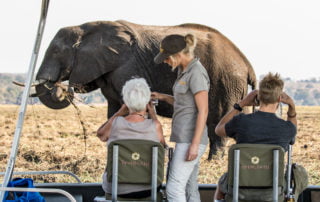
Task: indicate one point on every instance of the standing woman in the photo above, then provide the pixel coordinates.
(190, 103)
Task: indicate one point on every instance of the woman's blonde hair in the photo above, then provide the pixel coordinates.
(191, 42)
(270, 88)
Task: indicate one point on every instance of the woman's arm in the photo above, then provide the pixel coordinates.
(153, 116)
(160, 132)
(201, 99)
(163, 97)
(104, 130)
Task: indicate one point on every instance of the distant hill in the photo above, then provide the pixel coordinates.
(304, 92)
(10, 93)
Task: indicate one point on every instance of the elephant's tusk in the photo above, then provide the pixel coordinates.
(18, 83)
(113, 50)
(37, 95)
(23, 85)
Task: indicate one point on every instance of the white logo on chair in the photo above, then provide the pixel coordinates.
(255, 160)
(135, 156)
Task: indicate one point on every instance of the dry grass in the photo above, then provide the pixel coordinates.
(54, 140)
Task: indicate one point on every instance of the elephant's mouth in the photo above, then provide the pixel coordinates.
(54, 95)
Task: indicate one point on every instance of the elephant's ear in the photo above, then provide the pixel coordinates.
(104, 47)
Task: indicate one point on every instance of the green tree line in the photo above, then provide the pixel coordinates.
(304, 92)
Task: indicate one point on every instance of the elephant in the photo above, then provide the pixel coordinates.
(105, 54)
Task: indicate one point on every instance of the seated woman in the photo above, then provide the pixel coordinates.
(131, 122)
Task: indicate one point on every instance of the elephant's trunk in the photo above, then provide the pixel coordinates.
(54, 95)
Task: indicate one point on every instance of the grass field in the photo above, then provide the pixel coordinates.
(66, 140)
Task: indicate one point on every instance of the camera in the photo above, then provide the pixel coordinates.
(155, 102)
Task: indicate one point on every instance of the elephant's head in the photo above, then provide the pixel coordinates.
(56, 67)
(79, 54)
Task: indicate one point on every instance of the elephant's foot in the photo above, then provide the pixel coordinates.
(213, 151)
(214, 148)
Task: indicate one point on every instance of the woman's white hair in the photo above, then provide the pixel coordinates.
(136, 94)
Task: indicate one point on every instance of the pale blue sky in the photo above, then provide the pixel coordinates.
(275, 35)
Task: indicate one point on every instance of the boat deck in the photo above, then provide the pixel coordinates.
(86, 192)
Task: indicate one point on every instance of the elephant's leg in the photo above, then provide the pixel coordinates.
(212, 138)
(113, 106)
(215, 141)
(112, 96)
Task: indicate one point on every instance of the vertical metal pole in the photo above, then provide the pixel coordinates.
(115, 160)
(275, 175)
(17, 134)
(236, 166)
(289, 167)
(170, 153)
(154, 174)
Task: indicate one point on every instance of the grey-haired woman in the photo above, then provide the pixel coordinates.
(130, 122)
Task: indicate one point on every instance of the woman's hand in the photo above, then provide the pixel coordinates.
(157, 96)
(192, 153)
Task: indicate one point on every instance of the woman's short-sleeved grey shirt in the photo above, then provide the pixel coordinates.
(189, 82)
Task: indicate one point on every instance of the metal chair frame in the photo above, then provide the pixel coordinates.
(236, 175)
(289, 196)
(115, 167)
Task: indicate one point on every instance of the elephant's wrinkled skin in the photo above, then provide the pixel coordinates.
(105, 54)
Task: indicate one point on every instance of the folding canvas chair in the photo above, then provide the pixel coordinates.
(256, 173)
(135, 162)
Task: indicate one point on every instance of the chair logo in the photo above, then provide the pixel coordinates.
(255, 160)
(135, 156)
